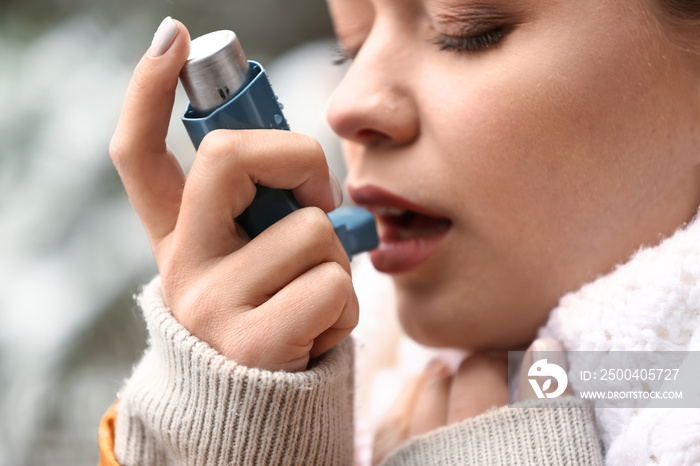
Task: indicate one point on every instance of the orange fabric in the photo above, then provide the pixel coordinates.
(106, 437)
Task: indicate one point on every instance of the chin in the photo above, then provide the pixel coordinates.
(434, 323)
(449, 323)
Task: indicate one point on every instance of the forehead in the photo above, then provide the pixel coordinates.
(351, 15)
(360, 6)
(352, 18)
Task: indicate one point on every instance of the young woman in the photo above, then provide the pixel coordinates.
(511, 152)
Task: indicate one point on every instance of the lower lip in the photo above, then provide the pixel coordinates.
(396, 256)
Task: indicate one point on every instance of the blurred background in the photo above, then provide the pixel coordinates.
(72, 252)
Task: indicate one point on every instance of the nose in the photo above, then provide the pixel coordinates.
(374, 103)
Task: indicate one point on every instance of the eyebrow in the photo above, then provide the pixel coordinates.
(463, 12)
(347, 27)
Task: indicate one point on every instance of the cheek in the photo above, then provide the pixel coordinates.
(558, 169)
(559, 144)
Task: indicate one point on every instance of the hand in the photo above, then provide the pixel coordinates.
(274, 302)
(438, 397)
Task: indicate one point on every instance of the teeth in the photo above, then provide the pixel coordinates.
(392, 211)
(408, 233)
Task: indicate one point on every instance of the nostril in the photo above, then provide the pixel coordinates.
(370, 136)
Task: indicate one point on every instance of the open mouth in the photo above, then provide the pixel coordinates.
(401, 224)
(409, 234)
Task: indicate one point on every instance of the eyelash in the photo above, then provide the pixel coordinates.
(341, 55)
(468, 44)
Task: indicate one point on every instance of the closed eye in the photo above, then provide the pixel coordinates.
(471, 44)
(341, 55)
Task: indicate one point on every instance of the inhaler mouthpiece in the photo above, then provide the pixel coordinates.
(215, 70)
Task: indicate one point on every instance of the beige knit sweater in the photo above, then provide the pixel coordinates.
(187, 404)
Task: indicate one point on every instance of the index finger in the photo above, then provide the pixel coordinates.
(151, 174)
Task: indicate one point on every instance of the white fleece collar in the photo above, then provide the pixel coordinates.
(650, 303)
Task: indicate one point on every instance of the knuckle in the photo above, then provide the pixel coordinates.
(338, 278)
(319, 227)
(117, 151)
(140, 78)
(313, 149)
(197, 309)
(218, 144)
(354, 305)
(310, 145)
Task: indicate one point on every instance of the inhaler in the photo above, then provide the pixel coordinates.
(227, 91)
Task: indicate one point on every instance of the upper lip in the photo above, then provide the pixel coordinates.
(372, 197)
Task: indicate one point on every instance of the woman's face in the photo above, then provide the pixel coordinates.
(512, 151)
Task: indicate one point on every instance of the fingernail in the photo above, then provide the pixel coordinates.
(549, 348)
(164, 37)
(336, 189)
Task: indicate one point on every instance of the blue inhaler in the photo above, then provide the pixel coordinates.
(227, 91)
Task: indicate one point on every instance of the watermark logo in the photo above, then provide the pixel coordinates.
(542, 368)
(606, 379)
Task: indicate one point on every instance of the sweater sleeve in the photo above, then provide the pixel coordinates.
(531, 432)
(187, 404)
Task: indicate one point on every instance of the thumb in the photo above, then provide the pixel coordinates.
(149, 99)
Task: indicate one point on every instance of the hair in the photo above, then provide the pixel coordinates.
(688, 11)
(682, 20)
